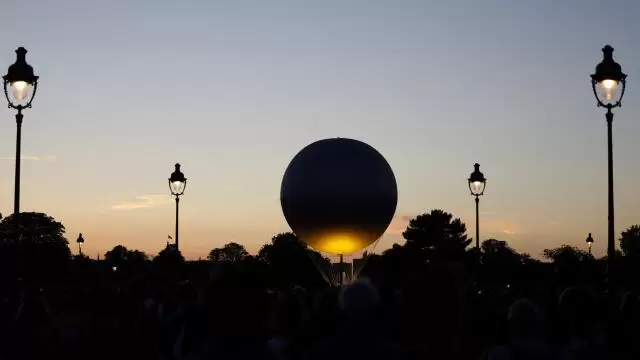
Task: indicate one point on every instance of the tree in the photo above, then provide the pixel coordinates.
(499, 253)
(231, 253)
(136, 260)
(500, 263)
(396, 263)
(169, 257)
(567, 255)
(291, 262)
(116, 256)
(617, 255)
(437, 235)
(571, 264)
(34, 244)
(526, 259)
(136, 256)
(124, 258)
(630, 241)
(32, 228)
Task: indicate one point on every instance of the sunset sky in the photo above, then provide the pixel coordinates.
(234, 89)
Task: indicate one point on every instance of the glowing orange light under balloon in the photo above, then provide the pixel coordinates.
(338, 243)
(343, 241)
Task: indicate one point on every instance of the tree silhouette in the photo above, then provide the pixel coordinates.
(291, 262)
(281, 244)
(32, 227)
(437, 235)
(571, 264)
(137, 256)
(499, 253)
(230, 253)
(617, 255)
(169, 257)
(567, 255)
(124, 258)
(116, 256)
(500, 262)
(396, 262)
(526, 259)
(34, 244)
(630, 241)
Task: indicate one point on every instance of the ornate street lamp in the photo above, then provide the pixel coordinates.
(20, 85)
(589, 242)
(608, 84)
(80, 241)
(177, 185)
(477, 183)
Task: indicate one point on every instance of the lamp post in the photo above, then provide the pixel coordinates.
(20, 85)
(608, 84)
(80, 241)
(589, 242)
(477, 183)
(177, 185)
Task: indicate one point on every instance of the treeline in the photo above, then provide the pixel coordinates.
(34, 244)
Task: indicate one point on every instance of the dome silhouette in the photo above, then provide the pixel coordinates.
(339, 195)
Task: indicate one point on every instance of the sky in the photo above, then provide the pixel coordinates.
(234, 89)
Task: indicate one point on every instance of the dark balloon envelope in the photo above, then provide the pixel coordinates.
(339, 195)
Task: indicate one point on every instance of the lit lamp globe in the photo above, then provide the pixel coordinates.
(608, 82)
(177, 182)
(339, 195)
(20, 83)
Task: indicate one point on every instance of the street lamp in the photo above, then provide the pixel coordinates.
(177, 185)
(608, 84)
(20, 85)
(80, 241)
(477, 183)
(589, 242)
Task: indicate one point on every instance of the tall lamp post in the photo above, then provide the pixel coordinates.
(20, 85)
(589, 242)
(608, 84)
(80, 241)
(477, 183)
(177, 185)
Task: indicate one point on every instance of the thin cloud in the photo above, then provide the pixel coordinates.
(398, 224)
(143, 202)
(508, 232)
(45, 158)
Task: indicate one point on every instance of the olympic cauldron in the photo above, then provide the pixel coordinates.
(339, 195)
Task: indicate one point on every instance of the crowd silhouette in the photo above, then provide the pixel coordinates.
(432, 297)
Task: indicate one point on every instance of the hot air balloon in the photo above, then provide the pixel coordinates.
(339, 195)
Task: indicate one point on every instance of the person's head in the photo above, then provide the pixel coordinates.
(434, 295)
(359, 299)
(630, 307)
(187, 294)
(288, 315)
(524, 318)
(577, 308)
(325, 303)
(236, 303)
